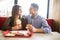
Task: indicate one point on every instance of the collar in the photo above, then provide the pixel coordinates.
(34, 16)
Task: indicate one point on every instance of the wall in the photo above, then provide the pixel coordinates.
(55, 14)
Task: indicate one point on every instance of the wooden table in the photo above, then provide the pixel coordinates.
(35, 36)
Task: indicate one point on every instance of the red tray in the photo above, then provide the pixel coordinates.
(22, 36)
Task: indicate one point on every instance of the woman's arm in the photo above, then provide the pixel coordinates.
(17, 27)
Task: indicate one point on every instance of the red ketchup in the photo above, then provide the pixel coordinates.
(6, 32)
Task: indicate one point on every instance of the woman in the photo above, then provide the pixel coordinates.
(16, 21)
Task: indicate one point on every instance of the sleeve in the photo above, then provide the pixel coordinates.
(45, 26)
(6, 25)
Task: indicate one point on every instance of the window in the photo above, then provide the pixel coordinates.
(6, 7)
(42, 6)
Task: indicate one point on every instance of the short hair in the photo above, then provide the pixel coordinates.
(34, 5)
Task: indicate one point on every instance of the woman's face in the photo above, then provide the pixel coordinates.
(20, 11)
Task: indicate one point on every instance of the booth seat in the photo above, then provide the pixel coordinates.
(3, 19)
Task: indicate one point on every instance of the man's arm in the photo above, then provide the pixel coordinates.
(45, 26)
(33, 29)
(39, 30)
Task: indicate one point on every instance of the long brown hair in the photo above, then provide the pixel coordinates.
(15, 11)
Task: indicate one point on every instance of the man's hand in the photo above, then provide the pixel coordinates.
(31, 28)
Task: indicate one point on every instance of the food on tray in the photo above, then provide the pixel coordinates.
(19, 33)
(9, 34)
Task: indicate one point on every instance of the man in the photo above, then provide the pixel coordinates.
(35, 22)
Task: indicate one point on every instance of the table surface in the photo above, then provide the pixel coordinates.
(35, 36)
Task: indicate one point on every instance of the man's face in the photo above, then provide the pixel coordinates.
(33, 10)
